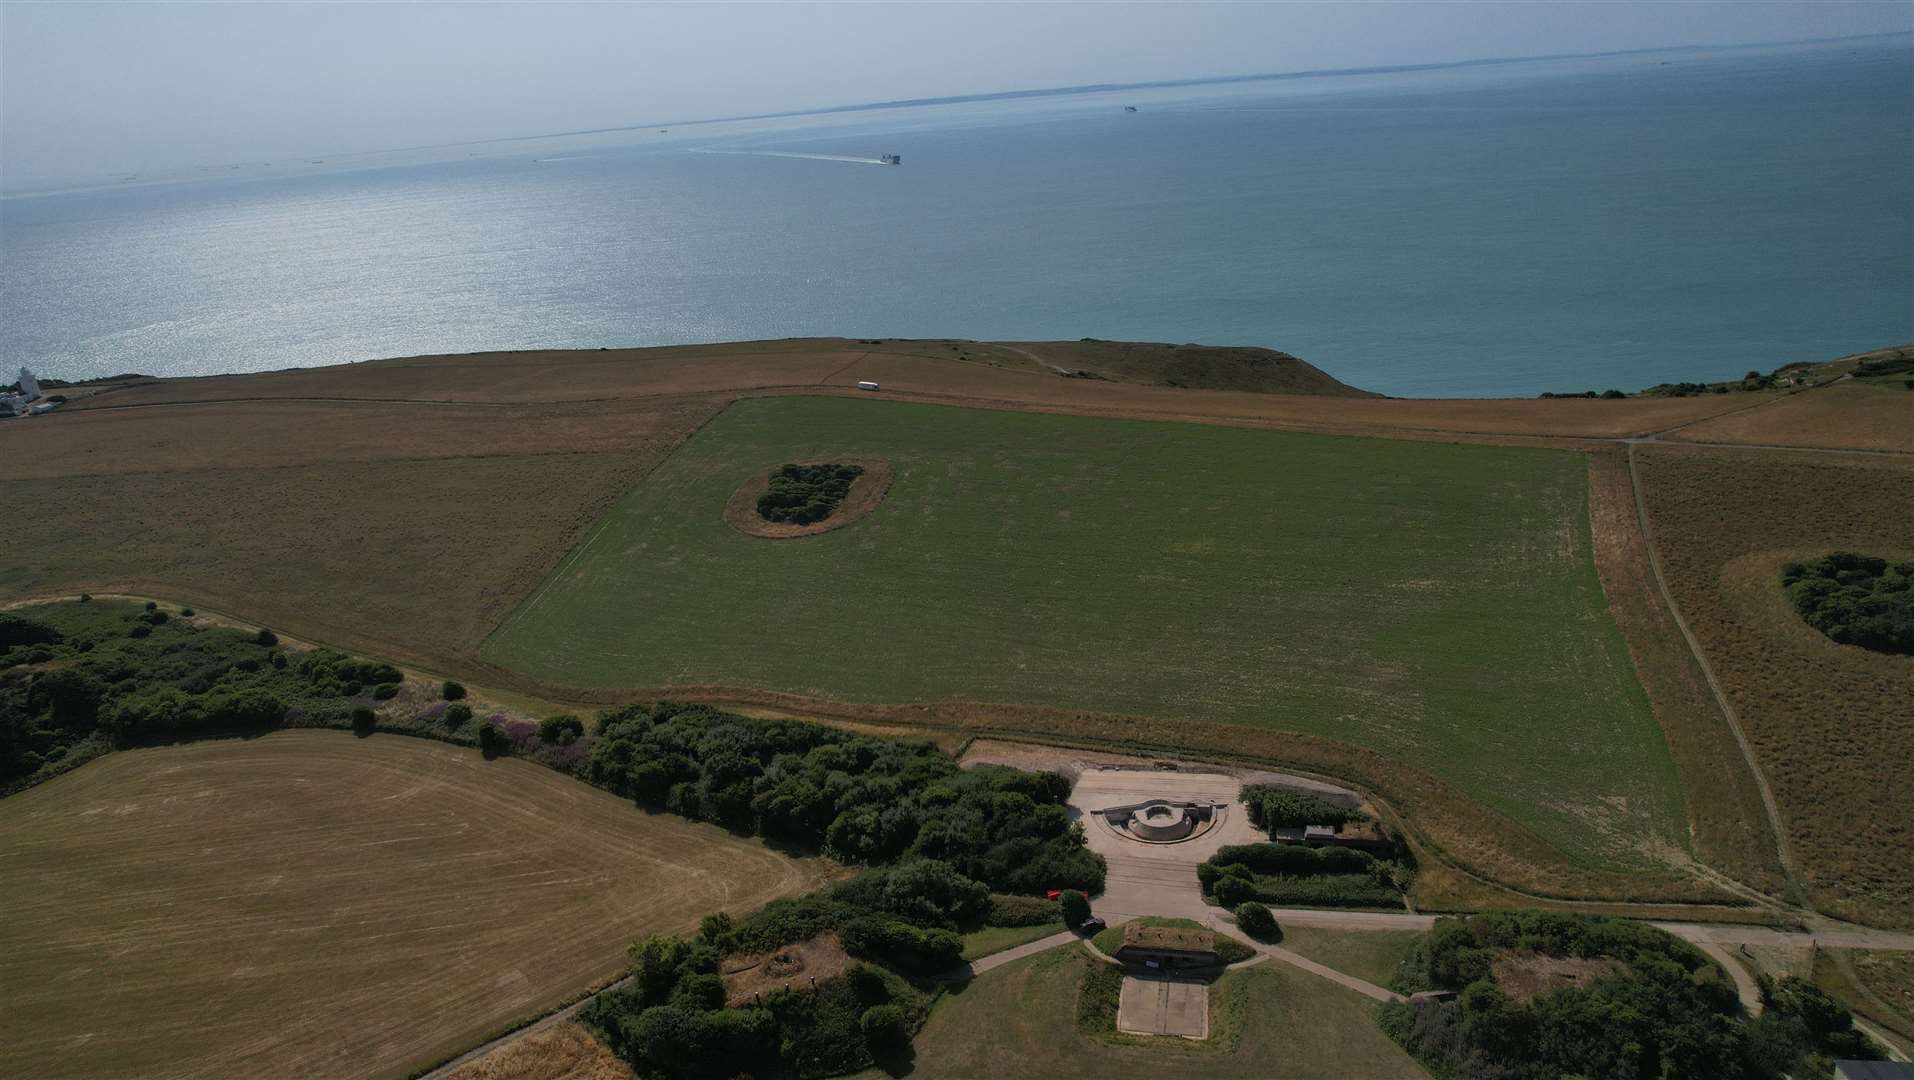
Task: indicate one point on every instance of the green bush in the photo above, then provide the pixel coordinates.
(561, 730)
(885, 1027)
(266, 637)
(364, 720)
(492, 740)
(456, 714)
(385, 691)
(1075, 907)
(802, 494)
(451, 691)
(1856, 599)
(1254, 919)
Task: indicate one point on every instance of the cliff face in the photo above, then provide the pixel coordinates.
(1200, 367)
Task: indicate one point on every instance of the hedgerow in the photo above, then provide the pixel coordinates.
(1295, 874)
(858, 798)
(79, 678)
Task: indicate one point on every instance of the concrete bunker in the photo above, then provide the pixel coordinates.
(1162, 821)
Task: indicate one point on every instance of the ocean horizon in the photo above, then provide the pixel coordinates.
(1494, 229)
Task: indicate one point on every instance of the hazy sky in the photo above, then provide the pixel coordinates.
(91, 89)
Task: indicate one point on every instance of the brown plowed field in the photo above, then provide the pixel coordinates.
(308, 904)
(1833, 725)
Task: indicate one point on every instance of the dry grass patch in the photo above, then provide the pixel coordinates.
(530, 377)
(1877, 986)
(564, 1051)
(314, 904)
(270, 434)
(795, 967)
(1726, 815)
(1526, 975)
(1846, 416)
(1833, 725)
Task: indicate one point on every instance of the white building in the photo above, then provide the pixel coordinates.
(29, 386)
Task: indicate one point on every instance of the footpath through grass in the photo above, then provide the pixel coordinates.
(1435, 602)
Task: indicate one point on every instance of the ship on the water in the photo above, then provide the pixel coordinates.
(891, 159)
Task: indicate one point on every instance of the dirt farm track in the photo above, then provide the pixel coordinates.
(308, 904)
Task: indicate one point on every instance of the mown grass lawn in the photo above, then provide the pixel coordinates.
(1436, 602)
(1269, 1022)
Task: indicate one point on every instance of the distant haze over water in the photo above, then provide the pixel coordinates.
(1549, 225)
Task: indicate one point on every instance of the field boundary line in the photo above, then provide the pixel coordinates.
(604, 522)
(1783, 849)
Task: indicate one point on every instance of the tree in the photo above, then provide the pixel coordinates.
(1233, 890)
(457, 713)
(1076, 908)
(561, 730)
(452, 691)
(1254, 919)
(492, 740)
(885, 1027)
(265, 637)
(364, 720)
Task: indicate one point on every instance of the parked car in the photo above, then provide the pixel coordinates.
(1092, 926)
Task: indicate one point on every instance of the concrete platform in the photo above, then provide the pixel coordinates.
(1160, 1006)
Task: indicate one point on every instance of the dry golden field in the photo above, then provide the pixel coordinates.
(310, 904)
(1845, 416)
(1832, 725)
(564, 1051)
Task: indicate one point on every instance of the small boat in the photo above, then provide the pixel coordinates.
(1129, 108)
(891, 159)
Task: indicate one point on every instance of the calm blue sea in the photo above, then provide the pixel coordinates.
(1502, 230)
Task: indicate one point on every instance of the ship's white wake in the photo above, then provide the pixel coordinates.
(791, 154)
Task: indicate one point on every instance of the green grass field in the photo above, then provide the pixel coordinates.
(1269, 1022)
(1436, 602)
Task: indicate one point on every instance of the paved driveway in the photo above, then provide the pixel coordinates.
(1155, 879)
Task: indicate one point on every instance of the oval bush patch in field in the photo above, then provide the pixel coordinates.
(1856, 599)
(808, 497)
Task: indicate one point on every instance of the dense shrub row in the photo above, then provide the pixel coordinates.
(79, 678)
(802, 494)
(901, 918)
(1670, 1013)
(1856, 599)
(1272, 807)
(859, 798)
(671, 1021)
(1295, 874)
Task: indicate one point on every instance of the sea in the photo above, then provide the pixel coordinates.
(1493, 229)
